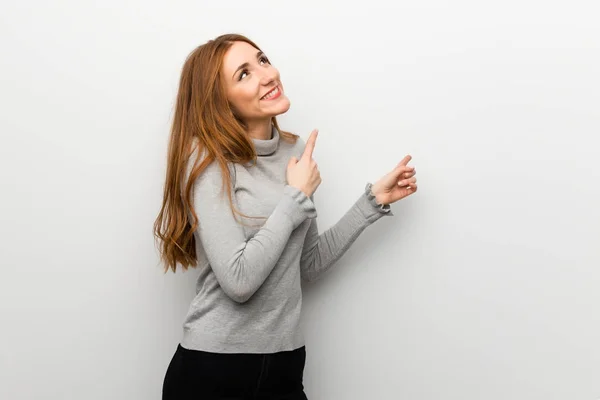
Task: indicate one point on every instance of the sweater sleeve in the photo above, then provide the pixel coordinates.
(321, 251)
(241, 265)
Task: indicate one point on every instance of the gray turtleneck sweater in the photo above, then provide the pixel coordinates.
(248, 295)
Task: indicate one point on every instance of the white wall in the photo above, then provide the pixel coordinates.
(485, 285)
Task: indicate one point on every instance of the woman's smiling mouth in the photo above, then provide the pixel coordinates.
(272, 94)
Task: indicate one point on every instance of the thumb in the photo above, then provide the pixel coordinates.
(293, 161)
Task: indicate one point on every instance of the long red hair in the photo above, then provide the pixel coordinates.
(205, 123)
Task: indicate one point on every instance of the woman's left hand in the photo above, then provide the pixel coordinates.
(397, 184)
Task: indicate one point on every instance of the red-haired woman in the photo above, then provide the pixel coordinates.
(238, 204)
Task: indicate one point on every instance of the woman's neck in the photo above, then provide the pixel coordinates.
(261, 130)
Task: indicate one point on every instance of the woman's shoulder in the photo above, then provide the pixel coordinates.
(212, 170)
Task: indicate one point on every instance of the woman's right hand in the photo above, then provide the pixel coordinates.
(304, 174)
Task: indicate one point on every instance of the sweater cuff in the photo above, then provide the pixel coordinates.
(298, 206)
(368, 205)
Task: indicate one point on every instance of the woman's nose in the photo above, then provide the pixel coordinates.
(269, 75)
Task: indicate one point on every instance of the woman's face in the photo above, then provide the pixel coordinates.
(252, 84)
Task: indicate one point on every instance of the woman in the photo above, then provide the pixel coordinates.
(238, 202)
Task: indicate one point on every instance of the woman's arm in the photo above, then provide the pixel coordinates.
(241, 266)
(320, 252)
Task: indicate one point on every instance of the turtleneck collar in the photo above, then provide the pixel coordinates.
(267, 147)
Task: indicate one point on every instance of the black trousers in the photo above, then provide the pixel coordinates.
(201, 375)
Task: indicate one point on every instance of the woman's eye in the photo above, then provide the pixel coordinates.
(262, 59)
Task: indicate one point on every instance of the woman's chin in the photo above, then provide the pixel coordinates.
(281, 108)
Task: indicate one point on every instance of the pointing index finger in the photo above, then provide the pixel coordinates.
(310, 144)
(405, 161)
